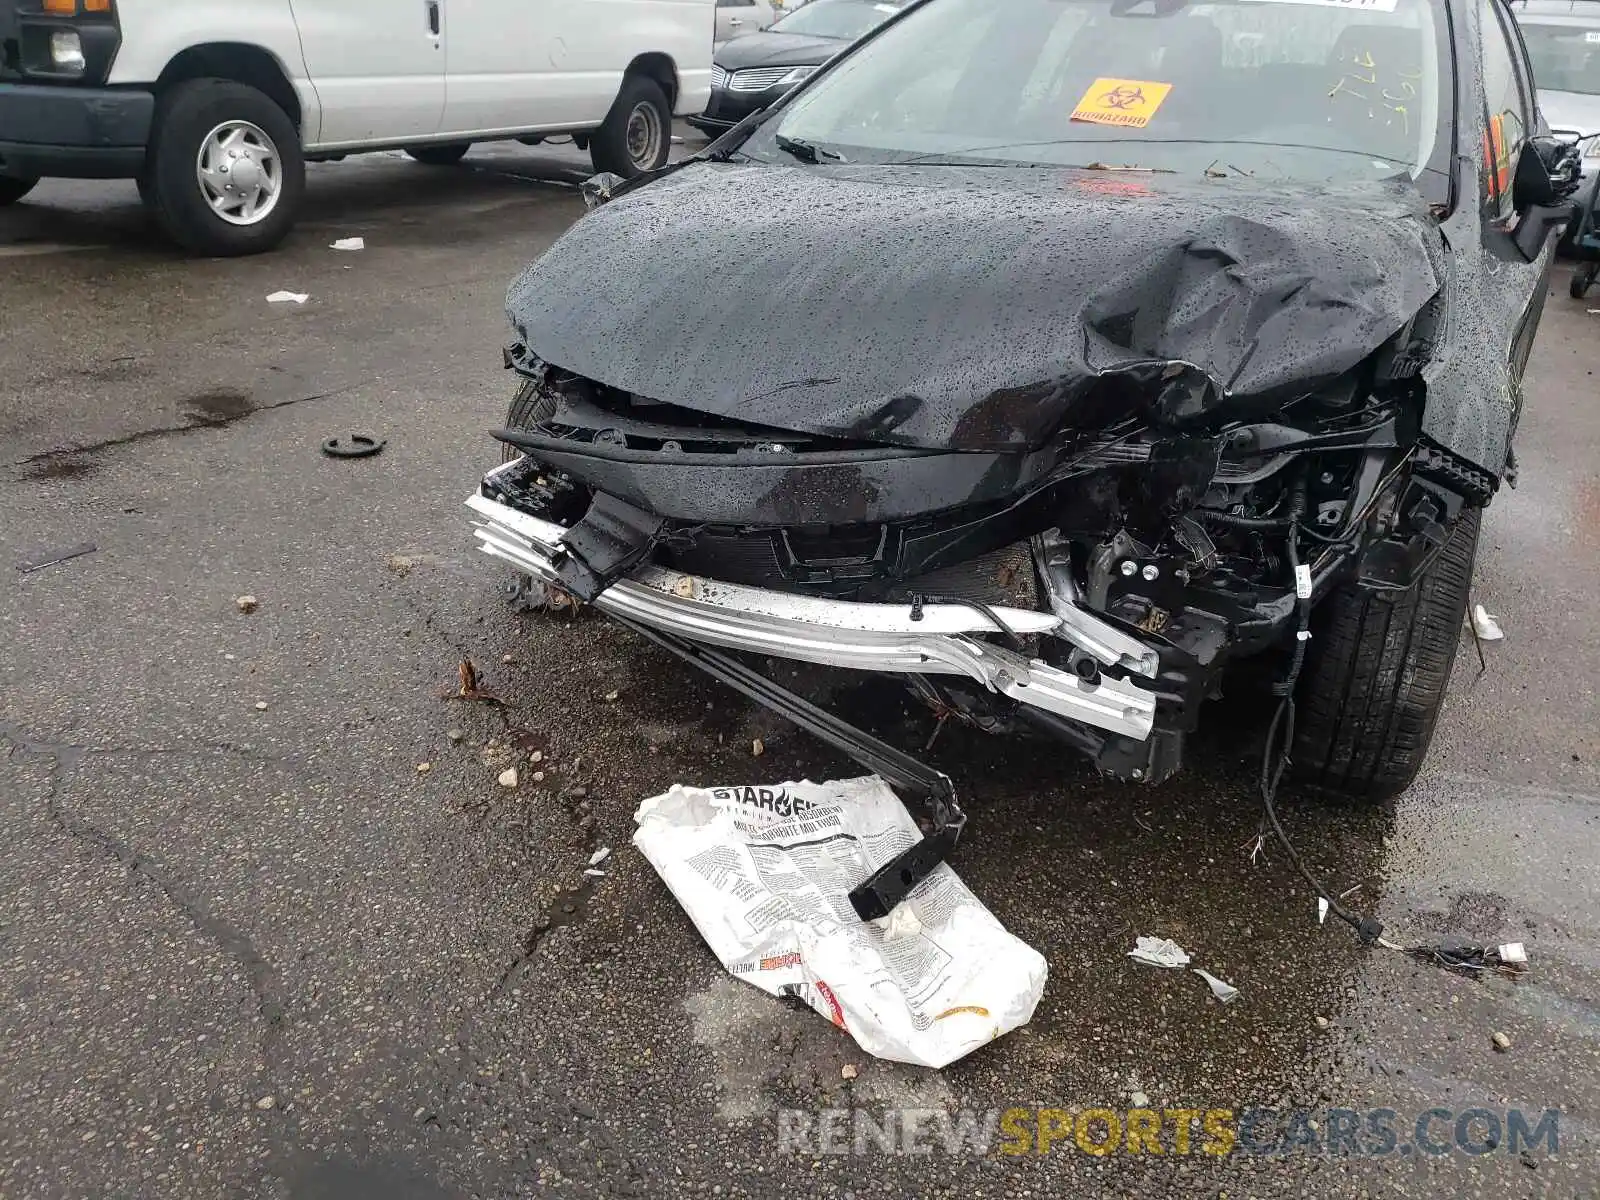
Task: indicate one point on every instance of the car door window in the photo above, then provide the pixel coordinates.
(1507, 112)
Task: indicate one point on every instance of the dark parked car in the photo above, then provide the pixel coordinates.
(758, 69)
(1103, 349)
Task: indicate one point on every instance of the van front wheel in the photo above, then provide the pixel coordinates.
(637, 135)
(224, 174)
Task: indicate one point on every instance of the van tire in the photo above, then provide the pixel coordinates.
(186, 116)
(447, 155)
(641, 119)
(14, 188)
(1376, 673)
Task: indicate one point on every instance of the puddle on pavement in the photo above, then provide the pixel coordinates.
(345, 1180)
(220, 407)
(64, 468)
(210, 409)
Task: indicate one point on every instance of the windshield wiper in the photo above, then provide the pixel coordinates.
(808, 152)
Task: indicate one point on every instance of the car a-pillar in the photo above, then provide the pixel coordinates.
(224, 172)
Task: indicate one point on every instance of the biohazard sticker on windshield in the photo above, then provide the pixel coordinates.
(1127, 102)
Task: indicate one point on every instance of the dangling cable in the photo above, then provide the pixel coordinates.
(1509, 959)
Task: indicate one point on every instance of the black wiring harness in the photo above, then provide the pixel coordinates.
(1508, 959)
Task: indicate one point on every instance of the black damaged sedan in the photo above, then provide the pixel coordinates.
(1108, 347)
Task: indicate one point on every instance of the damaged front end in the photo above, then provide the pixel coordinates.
(1094, 588)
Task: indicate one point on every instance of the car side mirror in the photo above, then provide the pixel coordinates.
(1538, 223)
(1537, 197)
(1533, 183)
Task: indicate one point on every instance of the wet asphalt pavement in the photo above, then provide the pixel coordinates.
(249, 947)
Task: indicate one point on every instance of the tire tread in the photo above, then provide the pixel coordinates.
(1376, 675)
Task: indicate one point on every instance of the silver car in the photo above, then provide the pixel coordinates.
(1563, 40)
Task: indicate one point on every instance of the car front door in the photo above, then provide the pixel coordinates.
(377, 66)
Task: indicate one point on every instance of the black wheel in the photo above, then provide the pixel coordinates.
(1582, 280)
(440, 156)
(13, 188)
(224, 174)
(637, 135)
(1375, 675)
(528, 407)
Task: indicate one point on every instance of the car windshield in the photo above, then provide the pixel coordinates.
(1313, 90)
(843, 19)
(1566, 58)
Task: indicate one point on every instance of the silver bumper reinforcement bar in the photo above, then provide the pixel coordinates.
(866, 637)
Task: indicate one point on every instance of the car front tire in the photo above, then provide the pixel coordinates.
(1376, 672)
(528, 407)
(637, 135)
(13, 188)
(225, 174)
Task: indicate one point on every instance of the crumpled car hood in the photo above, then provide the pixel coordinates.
(968, 308)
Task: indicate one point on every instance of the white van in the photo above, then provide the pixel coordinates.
(215, 108)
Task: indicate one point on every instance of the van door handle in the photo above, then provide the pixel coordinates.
(433, 17)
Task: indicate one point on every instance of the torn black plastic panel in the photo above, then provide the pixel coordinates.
(612, 538)
(765, 487)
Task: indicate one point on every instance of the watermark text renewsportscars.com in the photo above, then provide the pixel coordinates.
(1176, 1132)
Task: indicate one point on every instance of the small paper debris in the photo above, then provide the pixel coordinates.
(288, 297)
(246, 604)
(261, 706)
(1159, 952)
(455, 735)
(538, 776)
(599, 856)
(849, 1071)
(266, 1102)
(536, 756)
(1139, 1100)
(1501, 1042)
(507, 659)
(1322, 1022)
(1220, 988)
(610, 696)
(1322, 910)
(508, 777)
(758, 747)
(593, 874)
(424, 768)
(354, 243)
(1487, 627)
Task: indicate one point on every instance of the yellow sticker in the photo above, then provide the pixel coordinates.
(1127, 102)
